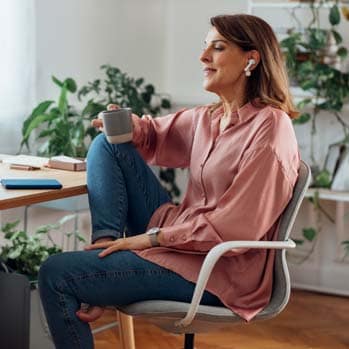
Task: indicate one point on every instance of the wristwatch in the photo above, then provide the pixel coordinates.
(153, 236)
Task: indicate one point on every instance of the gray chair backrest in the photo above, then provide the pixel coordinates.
(281, 293)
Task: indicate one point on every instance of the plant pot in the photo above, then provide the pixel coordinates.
(302, 56)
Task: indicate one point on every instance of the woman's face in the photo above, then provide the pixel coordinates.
(223, 65)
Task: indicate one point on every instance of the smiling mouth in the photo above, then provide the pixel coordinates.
(209, 71)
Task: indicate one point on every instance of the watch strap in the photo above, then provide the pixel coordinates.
(153, 236)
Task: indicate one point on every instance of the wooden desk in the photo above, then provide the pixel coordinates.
(74, 183)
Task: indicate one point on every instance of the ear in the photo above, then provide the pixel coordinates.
(253, 54)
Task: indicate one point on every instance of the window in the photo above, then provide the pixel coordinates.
(17, 69)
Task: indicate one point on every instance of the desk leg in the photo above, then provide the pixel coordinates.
(25, 220)
(126, 331)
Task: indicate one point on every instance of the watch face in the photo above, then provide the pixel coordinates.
(154, 230)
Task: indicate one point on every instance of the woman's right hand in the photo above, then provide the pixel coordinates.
(98, 122)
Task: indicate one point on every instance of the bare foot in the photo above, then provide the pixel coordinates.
(91, 314)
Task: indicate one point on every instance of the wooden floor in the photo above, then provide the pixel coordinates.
(310, 321)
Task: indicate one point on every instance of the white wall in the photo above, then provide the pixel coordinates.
(187, 26)
(75, 37)
(158, 39)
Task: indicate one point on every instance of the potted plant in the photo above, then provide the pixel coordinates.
(63, 129)
(119, 88)
(24, 253)
(60, 126)
(313, 56)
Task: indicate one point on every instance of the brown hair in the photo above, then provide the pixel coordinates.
(268, 84)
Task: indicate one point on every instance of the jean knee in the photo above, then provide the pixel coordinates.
(101, 143)
(51, 270)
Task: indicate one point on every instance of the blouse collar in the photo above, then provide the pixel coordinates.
(244, 113)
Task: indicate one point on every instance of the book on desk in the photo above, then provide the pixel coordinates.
(31, 163)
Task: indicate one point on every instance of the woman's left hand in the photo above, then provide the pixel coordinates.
(137, 242)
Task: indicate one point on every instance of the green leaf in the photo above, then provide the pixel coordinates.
(323, 179)
(309, 234)
(71, 85)
(45, 133)
(302, 119)
(63, 103)
(165, 103)
(81, 238)
(92, 108)
(40, 109)
(36, 122)
(146, 97)
(57, 82)
(8, 227)
(334, 15)
(308, 85)
(150, 89)
(67, 218)
(317, 38)
(298, 241)
(338, 37)
(43, 229)
(342, 52)
(139, 82)
(15, 253)
(303, 103)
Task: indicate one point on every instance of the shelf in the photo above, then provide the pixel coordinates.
(289, 4)
(328, 194)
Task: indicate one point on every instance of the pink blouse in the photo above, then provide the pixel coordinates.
(240, 182)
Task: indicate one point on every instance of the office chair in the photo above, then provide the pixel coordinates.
(188, 319)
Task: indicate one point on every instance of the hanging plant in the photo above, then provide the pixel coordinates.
(313, 57)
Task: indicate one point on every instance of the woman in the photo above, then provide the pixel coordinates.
(243, 160)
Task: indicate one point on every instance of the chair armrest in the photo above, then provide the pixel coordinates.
(210, 261)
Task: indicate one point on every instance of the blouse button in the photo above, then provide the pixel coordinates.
(172, 239)
(184, 238)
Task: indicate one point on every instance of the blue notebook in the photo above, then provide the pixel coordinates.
(30, 183)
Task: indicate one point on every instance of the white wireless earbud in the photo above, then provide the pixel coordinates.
(248, 66)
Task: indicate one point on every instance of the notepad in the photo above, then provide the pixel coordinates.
(31, 183)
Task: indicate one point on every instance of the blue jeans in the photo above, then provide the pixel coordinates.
(123, 192)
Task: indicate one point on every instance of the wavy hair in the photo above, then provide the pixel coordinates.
(268, 84)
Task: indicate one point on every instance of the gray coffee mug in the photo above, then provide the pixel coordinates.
(117, 125)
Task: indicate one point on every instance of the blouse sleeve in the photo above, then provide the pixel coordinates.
(167, 140)
(259, 193)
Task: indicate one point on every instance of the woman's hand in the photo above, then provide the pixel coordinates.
(137, 242)
(98, 123)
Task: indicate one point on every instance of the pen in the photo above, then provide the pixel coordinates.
(23, 167)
